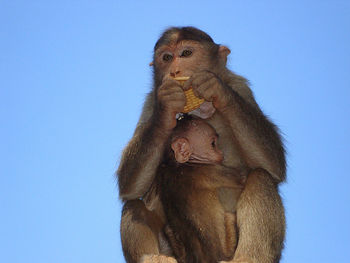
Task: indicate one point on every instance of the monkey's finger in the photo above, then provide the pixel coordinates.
(170, 91)
(170, 88)
(198, 78)
(172, 94)
(166, 84)
(167, 80)
(207, 90)
(174, 105)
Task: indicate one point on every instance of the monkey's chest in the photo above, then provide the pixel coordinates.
(203, 189)
(228, 198)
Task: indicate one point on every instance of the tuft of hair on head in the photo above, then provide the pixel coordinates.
(185, 33)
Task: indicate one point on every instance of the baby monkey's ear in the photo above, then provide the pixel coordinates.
(182, 150)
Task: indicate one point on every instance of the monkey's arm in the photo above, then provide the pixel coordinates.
(259, 141)
(260, 212)
(143, 154)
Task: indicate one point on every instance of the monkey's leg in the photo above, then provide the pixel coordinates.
(260, 220)
(230, 240)
(157, 259)
(140, 231)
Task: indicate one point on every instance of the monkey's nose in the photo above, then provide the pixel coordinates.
(173, 74)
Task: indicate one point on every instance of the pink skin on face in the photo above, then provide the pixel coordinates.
(203, 142)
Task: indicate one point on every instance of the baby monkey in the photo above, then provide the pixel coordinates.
(199, 194)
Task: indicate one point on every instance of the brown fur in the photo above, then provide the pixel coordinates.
(246, 137)
(200, 204)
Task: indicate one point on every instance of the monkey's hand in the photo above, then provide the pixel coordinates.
(210, 87)
(171, 100)
(157, 259)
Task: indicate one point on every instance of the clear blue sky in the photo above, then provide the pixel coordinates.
(73, 76)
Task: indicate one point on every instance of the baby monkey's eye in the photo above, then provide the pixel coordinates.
(213, 144)
(186, 53)
(167, 57)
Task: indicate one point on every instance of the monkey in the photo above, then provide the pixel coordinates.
(193, 182)
(247, 138)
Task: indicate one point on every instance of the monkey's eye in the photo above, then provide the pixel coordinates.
(167, 57)
(186, 53)
(213, 143)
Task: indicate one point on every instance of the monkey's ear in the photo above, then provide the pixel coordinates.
(151, 64)
(182, 150)
(223, 53)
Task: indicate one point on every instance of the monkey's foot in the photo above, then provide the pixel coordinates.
(157, 259)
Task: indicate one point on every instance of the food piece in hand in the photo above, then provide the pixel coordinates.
(192, 102)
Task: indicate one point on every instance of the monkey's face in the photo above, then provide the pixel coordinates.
(181, 59)
(203, 142)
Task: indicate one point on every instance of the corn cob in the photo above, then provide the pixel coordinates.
(192, 102)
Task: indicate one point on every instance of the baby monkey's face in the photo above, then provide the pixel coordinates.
(203, 139)
(198, 144)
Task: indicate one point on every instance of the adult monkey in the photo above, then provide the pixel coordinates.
(247, 138)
